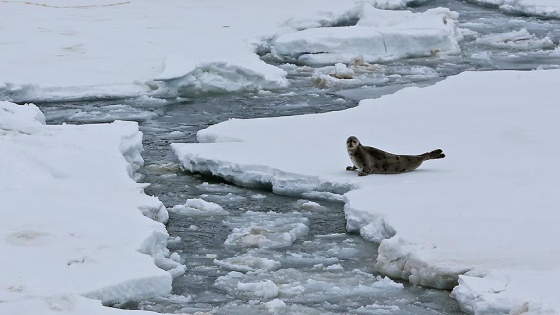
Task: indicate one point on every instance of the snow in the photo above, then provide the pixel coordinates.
(542, 8)
(75, 225)
(74, 50)
(62, 304)
(481, 221)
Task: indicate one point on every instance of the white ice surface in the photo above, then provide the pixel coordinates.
(74, 223)
(72, 49)
(489, 210)
(543, 8)
(378, 35)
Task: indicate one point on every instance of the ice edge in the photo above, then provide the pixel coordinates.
(392, 261)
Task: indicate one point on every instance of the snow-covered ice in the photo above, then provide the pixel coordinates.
(542, 8)
(482, 220)
(74, 50)
(141, 50)
(75, 225)
(378, 35)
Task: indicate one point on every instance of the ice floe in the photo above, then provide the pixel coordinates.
(111, 113)
(296, 286)
(163, 57)
(265, 229)
(481, 221)
(228, 198)
(76, 226)
(310, 205)
(378, 35)
(248, 263)
(542, 8)
(199, 207)
(521, 39)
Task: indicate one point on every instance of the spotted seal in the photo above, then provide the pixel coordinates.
(369, 160)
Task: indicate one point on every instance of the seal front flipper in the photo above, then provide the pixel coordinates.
(364, 172)
(351, 168)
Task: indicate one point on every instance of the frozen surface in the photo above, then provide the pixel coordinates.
(378, 35)
(74, 228)
(74, 50)
(543, 8)
(481, 221)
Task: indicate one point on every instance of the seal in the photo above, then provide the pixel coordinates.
(369, 160)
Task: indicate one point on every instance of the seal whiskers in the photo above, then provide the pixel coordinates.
(370, 160)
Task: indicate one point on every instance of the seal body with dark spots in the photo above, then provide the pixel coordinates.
(369, 160)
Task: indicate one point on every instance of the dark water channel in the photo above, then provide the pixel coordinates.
(310, 265)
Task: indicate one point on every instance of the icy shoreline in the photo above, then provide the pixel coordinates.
(75, 223)
(497, 181)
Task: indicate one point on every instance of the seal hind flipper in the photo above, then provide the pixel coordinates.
(435, 154)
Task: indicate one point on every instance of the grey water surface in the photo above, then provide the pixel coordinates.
(313, 266)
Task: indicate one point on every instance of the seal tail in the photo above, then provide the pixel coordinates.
(435, 154)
